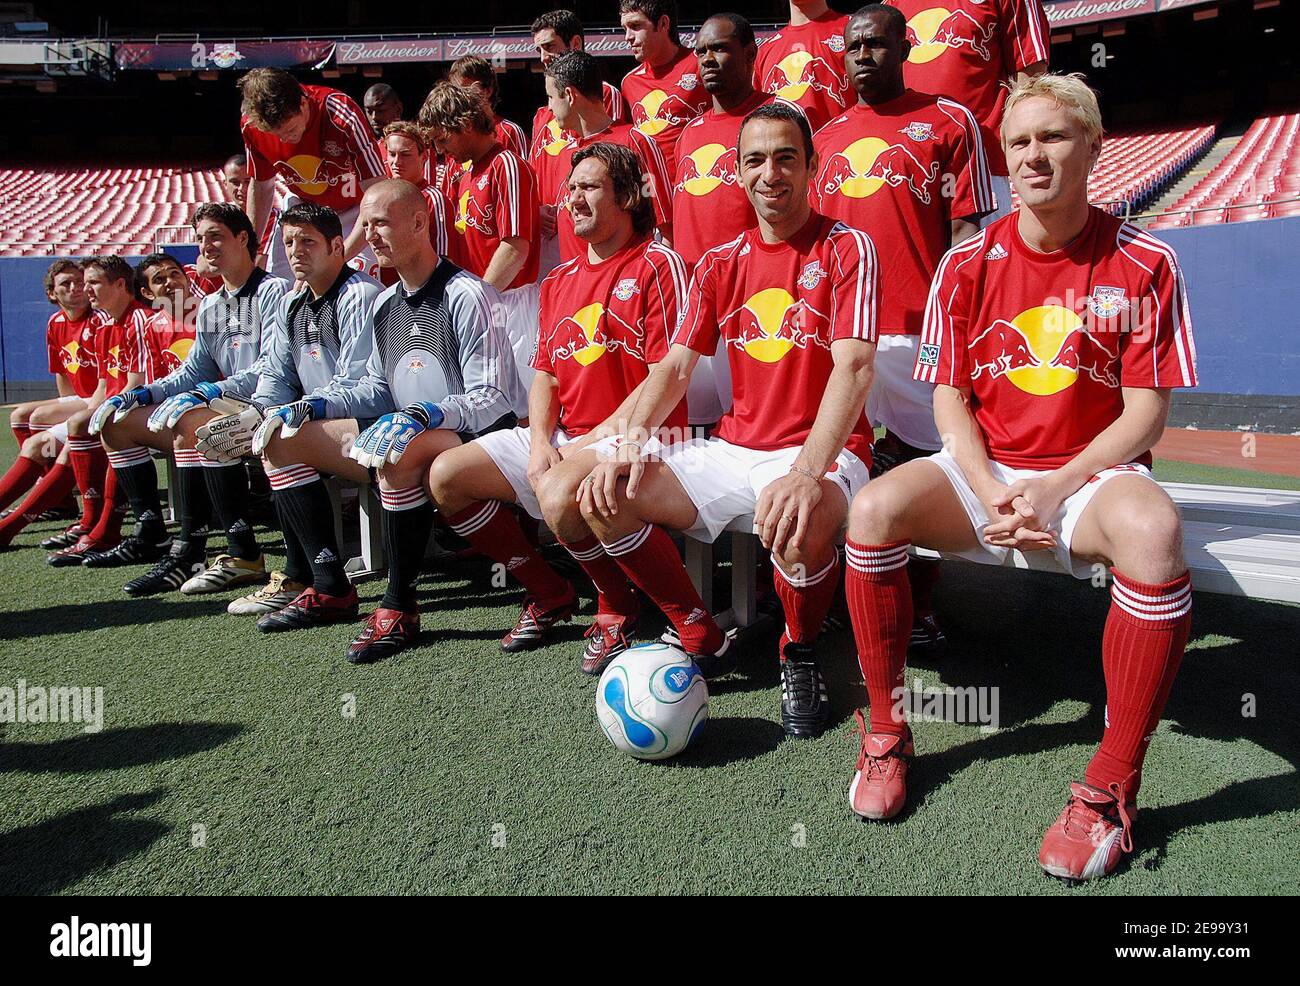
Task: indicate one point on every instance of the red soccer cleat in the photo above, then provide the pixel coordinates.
(387, 631)
(879, 788)
(606, 639)
(1091, 835)
(530, 629)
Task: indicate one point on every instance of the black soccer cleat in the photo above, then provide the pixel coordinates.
(131, 551)
(720, 662)
(928, 639)
(805, 709)
(170, 573)
(311, 609)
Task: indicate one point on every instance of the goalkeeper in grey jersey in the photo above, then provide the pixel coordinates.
(440, 372)
(317, 345)
(220, 371)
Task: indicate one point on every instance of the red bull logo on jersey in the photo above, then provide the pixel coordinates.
(934, 31)
(919, 132)
(706, 168)
(772, 323)
(1107, 302)
(868, 164)
(800, 72)
(553, 140)
(658, 110)
(414, 365)
(115, 368)
(315, 176)
(471, 214)
(579, 336)
(174, 355)
(1043, 351)
(71, 357)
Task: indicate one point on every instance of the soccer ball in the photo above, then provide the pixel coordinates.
(652, 701)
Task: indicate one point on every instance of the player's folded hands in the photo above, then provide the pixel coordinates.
(541, 458)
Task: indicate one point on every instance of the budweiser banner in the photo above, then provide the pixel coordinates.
(1065, 13)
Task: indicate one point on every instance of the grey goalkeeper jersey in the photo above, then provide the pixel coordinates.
(445, 343)
(228, 339)
(315, 346)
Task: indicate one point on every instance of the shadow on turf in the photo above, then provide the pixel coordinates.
(730, 740)
(82, 617)
(47, 857)
(116, 748)
(1037, 638)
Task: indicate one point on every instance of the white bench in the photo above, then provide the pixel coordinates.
(1239, 541)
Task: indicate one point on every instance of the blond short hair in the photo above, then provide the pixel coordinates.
(449, 107)
(411, 131)
(1069, 91)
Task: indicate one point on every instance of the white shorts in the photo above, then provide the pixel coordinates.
(724, 481)
(509, 449)
(1002, 189)
(523, 306)
(277, 261)
(902, 404)
(69, 398)
(1057, 560)
(58, 432)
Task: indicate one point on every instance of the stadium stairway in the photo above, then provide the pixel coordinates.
(1189, 178)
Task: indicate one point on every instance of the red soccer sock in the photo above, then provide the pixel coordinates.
(21, 432)
(615, 596)
(494, 530)
(89, 463)
(19, 479)
(880, 605)
(112, 511)
(923, 576)
(650, 559)
(49, 492)
(806, 599)
(1141, 649)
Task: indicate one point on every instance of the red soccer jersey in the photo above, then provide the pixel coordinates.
(663, 100)
(552, 172)
(116, 342)
(779, 306)
(966, 49)
(709, 206)
(805, 65)
(548, 138)
(167, 343)
(902, 171)
(201, 284)
(1045, 341)
(71, 343)
(602, 325)
(335, 155)
(497, 200)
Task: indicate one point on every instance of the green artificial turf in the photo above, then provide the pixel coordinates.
(465, 769)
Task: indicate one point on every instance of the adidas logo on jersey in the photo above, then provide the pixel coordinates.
(998, 252)
(326, 556)
(238, 527)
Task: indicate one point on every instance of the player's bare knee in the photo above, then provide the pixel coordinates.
(443, 485)
(876, 514)
(42, 417)
(1147, 540)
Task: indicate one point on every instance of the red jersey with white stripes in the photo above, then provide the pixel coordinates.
(71, 343)
(779, 306)
(902, 171)
(496, 199)
(966, 49)
(603, 324)
(552, 172)
(709, 206)
(663, 100)
(201, 284)
(1045, 341)
(116, 341)
(167, 343)
(336, 154)
(805, 65)
(550, 138)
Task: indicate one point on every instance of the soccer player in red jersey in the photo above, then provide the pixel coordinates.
(110, 284)
(1053, 337)
(606, 316)
(804, 62)
(40, 427)
(473, 72)
(573, 94)
(909, 169)
(795, 301)
(663, 93)
(554, 33)
(318, 141)
(495, 209)
(968, 50)
(405, 148)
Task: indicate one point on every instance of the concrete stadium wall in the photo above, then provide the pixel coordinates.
(1242, 280)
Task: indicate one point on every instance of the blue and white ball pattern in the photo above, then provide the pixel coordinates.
(652, 701)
